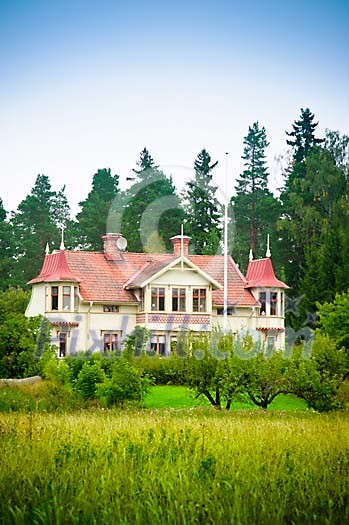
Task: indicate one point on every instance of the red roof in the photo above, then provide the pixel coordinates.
(103, 280)
(260, 273)
(55, 268)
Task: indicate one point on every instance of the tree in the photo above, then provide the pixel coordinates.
(299, 223)
(6, 249)
(334, 319)
(91, 221)
(203, 211)
(255, 209)
(318, 379)
(36, 223)
(152, 211)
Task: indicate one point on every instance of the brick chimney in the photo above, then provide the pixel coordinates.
(177, 245)
(111, 250)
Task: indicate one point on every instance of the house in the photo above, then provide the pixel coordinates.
(93, 300)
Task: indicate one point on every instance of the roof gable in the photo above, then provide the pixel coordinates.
(157, 269)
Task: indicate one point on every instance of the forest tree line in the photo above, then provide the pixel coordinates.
(308, 221)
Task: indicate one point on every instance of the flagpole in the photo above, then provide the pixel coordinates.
(225, 252)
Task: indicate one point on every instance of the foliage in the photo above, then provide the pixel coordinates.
(136, 342)
(6, 249)
(90, 375)
(37, 222)
(92, 218)
(162, 370)
(255, 209)
(152, 211)
(203, 211)
(126, 383)
(334, 319)
(318, 378)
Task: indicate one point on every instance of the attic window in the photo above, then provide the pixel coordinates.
(110, 308)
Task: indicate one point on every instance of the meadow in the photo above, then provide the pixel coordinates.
(185, 466)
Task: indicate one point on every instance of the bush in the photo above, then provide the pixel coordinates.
(90, 375)
(125, 384)
(162, 370)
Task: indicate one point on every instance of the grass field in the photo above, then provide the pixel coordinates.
(169, 396)
(181, 466)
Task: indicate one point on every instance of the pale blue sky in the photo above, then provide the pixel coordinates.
(86, 85)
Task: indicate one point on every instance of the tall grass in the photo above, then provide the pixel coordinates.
(190, 466)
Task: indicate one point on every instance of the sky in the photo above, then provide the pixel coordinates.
(86, 85)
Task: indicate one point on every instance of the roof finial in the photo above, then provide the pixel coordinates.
(47, 249)
(62, 247)
(268, 252)
(250, 257)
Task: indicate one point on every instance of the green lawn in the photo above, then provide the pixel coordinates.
(170, 396)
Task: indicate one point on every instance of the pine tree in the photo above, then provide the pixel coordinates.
(92, 219)
(35, 223)
(303, 138)
(255, 209)
(203, 212)
(6, 249)
(152, 211)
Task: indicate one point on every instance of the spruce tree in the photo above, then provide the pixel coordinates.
(6, 250)
(91, 221)
(36, 223)
(203, 211)
(255, 209)
(152, 211)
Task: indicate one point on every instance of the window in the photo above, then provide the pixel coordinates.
(273, 303)
(158, 299)
(110, 342)
(54, 297)
(66, 297)
(141, 303)
(76, 298)
(230, 311)
(62, 347)
(158, 344)
(178, 299)
(271, 340)
(199, 300)
(281, 303)
(263, 301)
(110, 308)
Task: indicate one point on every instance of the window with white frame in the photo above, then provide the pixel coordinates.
(263, 301)
(199, 300)
(273, 303)
(66, 297)
(158, 299)
(178, 299)
(54, 297)
(110, 342)
(158, 344)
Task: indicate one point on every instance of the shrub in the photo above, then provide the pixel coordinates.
(125, 384)
(90, 375)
